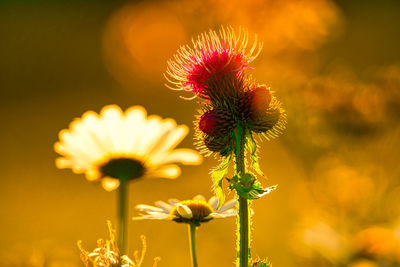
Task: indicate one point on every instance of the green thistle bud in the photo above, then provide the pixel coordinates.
(222, 145)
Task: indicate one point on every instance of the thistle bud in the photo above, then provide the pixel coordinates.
(260, 110)
(207, 123)
(266, 122)
(222, 145)
(216, 122)
(258, 101)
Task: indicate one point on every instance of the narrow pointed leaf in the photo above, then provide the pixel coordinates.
(245, 190)
(217, 177)
(252, 146)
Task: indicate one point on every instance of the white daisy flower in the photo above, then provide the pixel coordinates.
(115, 145)
(194, 211)
(191, 212)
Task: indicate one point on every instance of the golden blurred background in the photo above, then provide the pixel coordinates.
(334, 64)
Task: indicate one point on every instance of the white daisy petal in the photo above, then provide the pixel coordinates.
(89, 130)
(158, 216)
(63, 163)
(200, 198)
(165, 128)
(171, 140)
(153, 133)
(72, 145)
(148, 208)
(78, 169)
(227, 205)
(224, 215)
(171, 171)
(111, 117)
(184, 211)
(229, 213)
(134, 124)
(209, 217)
(175, 137)
(185, 156)
(164, 206)
(155, 212)
(92, 175)
(215, 215)
(173, 201)
(109, 184)
(213, 202)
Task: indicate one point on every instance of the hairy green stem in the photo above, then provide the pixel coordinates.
(243, 232)
(243, 217)
(122, 215)
(192, 242)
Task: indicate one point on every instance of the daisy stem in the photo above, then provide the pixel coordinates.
(243, 218)
(192, 241)
(122, 214)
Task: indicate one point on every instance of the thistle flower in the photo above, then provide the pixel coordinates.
(128, 145)
(214, 70)
(213, 55)
(194, 211)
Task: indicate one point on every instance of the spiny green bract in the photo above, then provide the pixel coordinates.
(260, 263)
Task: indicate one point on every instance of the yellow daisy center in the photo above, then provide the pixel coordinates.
(122, 168)
(200, 211)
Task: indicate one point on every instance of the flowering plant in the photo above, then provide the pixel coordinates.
(233, 109)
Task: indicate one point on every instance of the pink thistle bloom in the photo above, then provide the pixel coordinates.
(213, 56)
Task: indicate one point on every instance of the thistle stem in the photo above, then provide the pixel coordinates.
(192, 242)
(243, 217)
(122, 215)
(244, 232)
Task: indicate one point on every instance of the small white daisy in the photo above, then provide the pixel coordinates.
(115, 145)
(191, 212)
(194, 211)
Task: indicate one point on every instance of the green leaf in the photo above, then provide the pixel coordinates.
(246, 186)
(217, 177)
(246, 179)
(252, 146)
(260, 263)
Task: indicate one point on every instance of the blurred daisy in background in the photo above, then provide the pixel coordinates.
(115, 145)
(192, 212)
